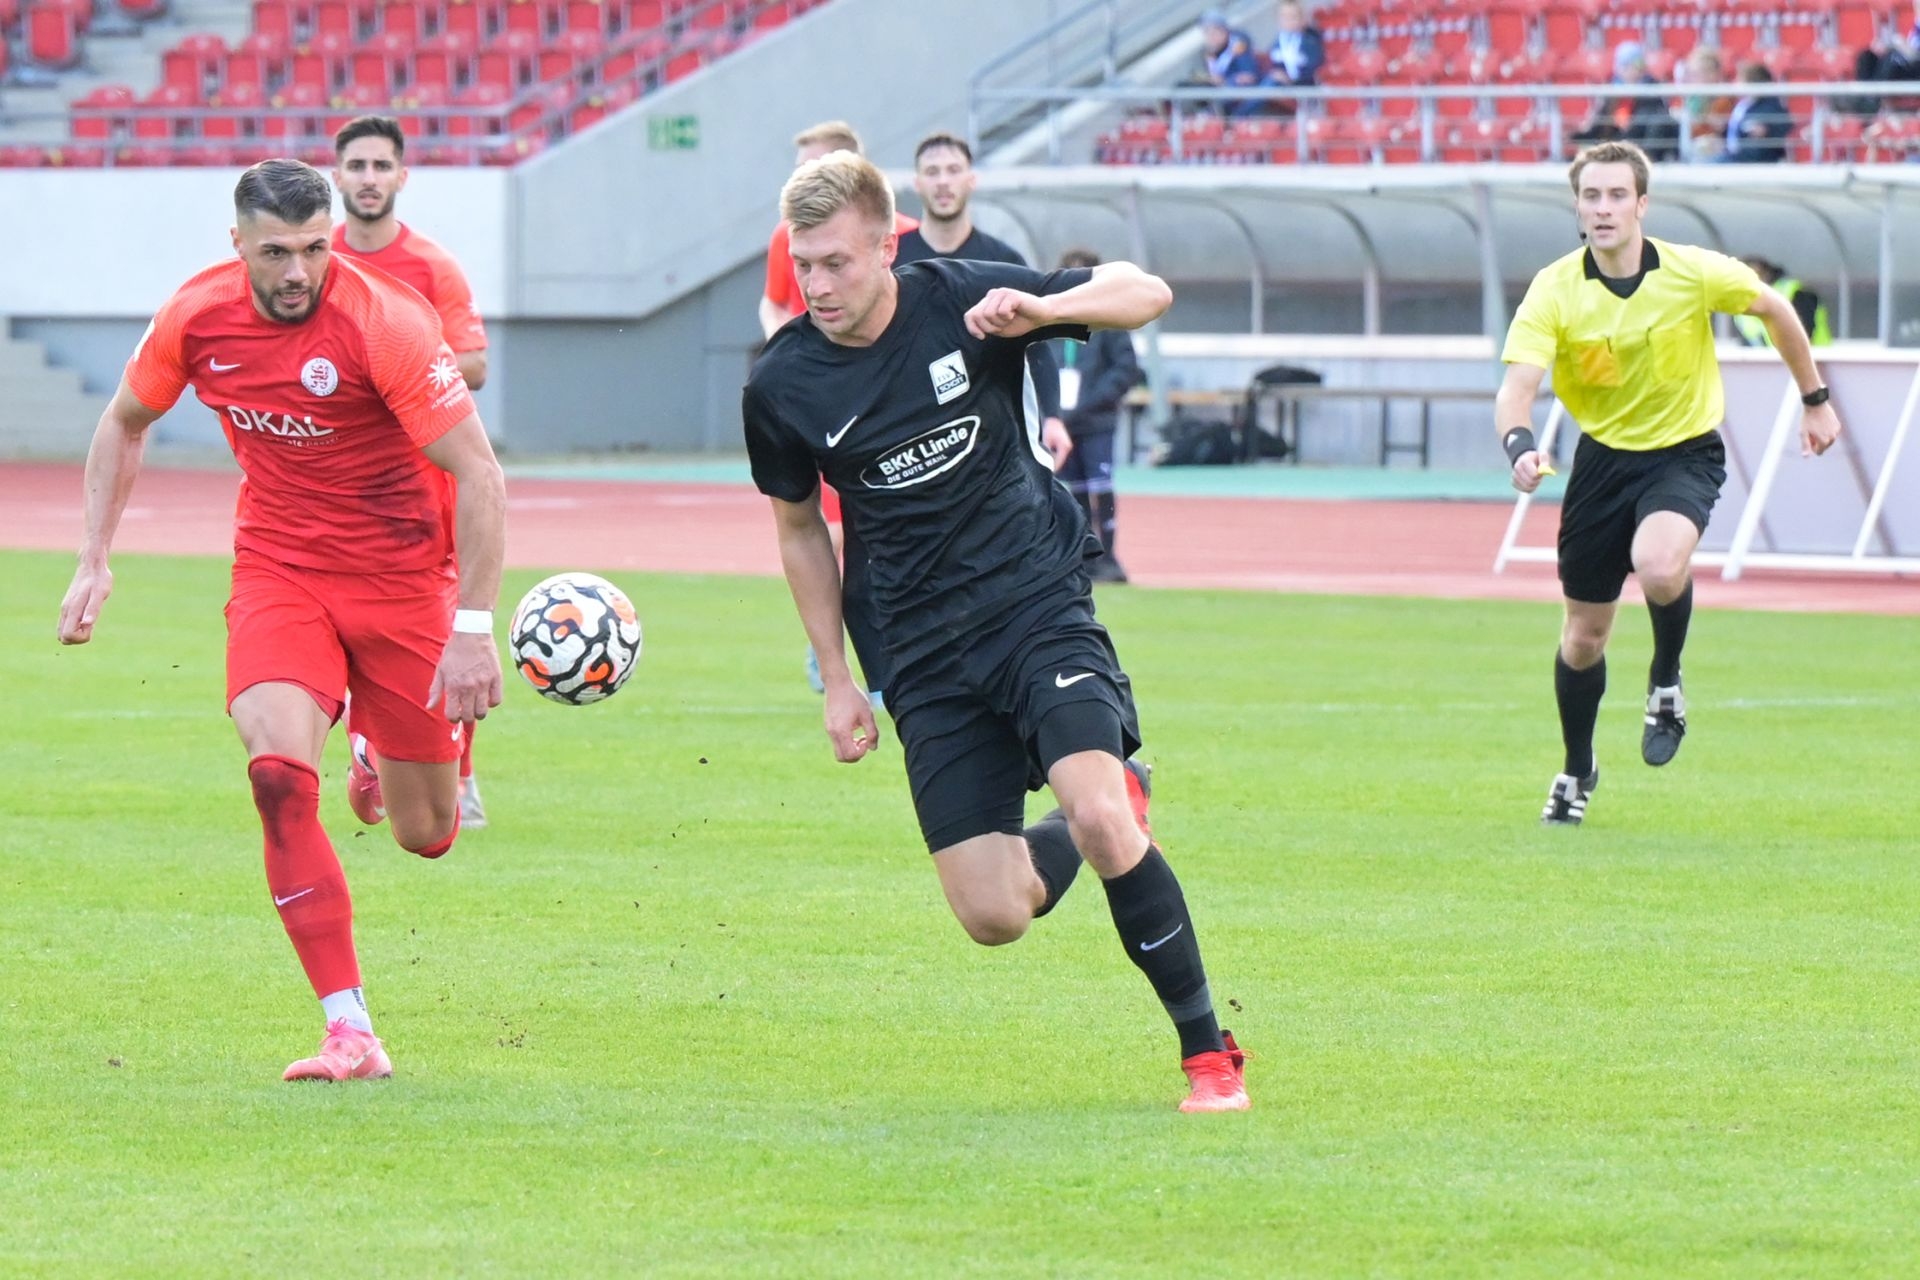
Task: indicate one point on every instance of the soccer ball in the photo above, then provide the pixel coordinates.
(575, 638)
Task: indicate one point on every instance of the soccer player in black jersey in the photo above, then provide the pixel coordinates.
(907, 390)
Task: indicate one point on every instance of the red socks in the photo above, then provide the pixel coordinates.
(466, 751)
(303, 872)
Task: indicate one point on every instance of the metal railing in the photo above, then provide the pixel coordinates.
(1423, 129)
(1086, 45)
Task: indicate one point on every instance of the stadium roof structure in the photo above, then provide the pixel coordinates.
(1497, 224)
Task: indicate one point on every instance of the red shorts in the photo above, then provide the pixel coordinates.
(829, 503)
(376, 635)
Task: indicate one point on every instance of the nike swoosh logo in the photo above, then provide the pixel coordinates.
(834, 437)
(279, 901)
(1149, 946)
(217, 367)
(1061, 679)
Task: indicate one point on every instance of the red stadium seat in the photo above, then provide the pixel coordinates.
(645, 15)
(166, 98)
(248, 98)
(194, 63)
(463, 17)
(508, 61)
(147, 156)
(211, 155)
(632, 55)
(684, 64)
(291, 116)
(257, 60)
(417, 98)
(1585, 65)
(586, 15)
(23, 157)
(574, 51)
(542, 109)
(9, 21)
(76, 157)
(445, 60)
(335, 18)
(407, 18)
(382, 61)
(274, 18)
(529, 16)
(101, 113)
(53, 37)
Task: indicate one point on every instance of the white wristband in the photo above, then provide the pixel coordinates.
(477, 622)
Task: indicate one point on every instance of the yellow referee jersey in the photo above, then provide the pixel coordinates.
(1636, 372)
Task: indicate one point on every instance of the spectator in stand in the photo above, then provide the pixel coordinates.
(1227, 60)
(1806, 304)
(1297, 54)
(1759, 123)
(1889, 59)
(1645, 121)
(1095, 377)
(1707, 116)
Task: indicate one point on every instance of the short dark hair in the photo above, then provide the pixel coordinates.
(290, 190)
(934, 141)
(371, 127)
(1079, 258)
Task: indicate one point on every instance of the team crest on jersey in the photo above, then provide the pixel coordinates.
(319, 376)
(949, 374)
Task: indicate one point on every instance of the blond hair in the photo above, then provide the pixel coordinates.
(834, 135)
(838, 180)
(1613, 153)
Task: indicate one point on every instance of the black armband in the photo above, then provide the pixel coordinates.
(1518, 441)
(1816, 397)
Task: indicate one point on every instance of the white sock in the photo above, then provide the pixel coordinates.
(349, 1006)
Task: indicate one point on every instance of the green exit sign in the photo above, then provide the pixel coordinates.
(673, 133)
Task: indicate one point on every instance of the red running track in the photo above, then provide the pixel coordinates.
(1439, 549)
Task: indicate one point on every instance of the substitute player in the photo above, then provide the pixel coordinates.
(779, 303)
(364, 466)
(907, 390)
(370, 171)
(944, 179)
(1626, 326)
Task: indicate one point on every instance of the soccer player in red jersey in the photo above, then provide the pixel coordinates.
(365, 465)
(370, 171)
(780, 302)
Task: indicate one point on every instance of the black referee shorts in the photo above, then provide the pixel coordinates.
(1609, 493)
(983, 719)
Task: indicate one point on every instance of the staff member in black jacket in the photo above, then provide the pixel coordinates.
(1095, 377)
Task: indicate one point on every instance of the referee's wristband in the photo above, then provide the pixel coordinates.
(1816, 397)
(1516, 442)
(477, 622)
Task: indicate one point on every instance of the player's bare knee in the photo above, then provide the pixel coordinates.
(428, 835)
(995, 924)
(1582, 643)
(1662, 577)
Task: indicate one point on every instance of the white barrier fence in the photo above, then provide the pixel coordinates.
(1856, 510)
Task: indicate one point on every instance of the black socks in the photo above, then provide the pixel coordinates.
(1669, 637)
(1579, 694)
(1150, 913)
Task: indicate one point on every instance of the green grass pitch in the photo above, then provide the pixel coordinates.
(693, 1005)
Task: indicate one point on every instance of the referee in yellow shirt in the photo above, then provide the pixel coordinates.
(1626, 326)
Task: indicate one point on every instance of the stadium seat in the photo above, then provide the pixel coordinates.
(53, 37)
(80, 156)
(382, 61)
(274, 18)
(290, 118)
(9, 23)
(405, 17)
(234, 97)
(150, 118)
(633, 54)
(684, 64)
(16, 156)
(335, 18)
(542, 109)
(100, 113)
(195, 63)
(586, 15)
(257, 60)
(417, 98)
(644, 15)
(571, 53)
(508, 61)
(445, 60)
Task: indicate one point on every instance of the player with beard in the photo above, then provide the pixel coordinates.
(370, 171)
(944, 179)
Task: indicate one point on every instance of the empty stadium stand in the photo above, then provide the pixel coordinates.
(474, 81)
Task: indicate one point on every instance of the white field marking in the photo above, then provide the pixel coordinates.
(1884, 701)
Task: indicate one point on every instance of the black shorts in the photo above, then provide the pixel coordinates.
(1609, 493)
(983, 719)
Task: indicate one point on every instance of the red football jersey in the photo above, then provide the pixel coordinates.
(326, 417)
(415, 260)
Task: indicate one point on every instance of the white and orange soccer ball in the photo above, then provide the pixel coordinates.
(575, 638)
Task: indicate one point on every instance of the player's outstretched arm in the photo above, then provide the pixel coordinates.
(813, 575)
(113, 461)
(1120, 296)
(467, 682)
(1513, 419)
(1819, 424)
